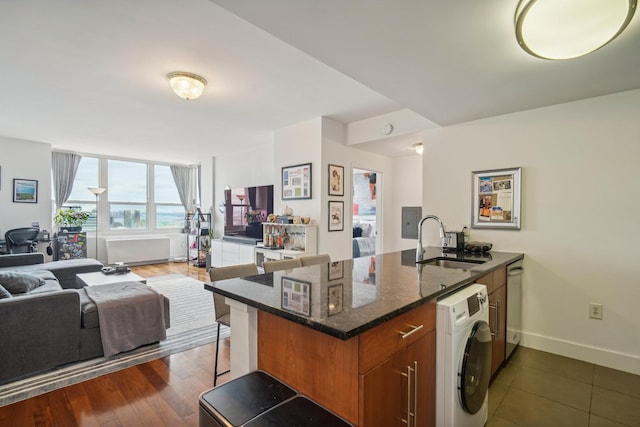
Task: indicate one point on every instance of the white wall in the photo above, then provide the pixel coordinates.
(580, 217)
(25, 160)
(299, 144)
(338, 243)
(242, 169)
(406, 191)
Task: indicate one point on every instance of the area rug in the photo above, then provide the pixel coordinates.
(192, 324)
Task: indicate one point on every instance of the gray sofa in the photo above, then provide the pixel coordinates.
(51, 323)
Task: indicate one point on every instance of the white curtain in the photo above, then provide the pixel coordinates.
(63, 168)
(186, 179)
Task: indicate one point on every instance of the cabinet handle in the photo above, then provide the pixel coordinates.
(496, 318)
(515, 272)
(415, 393)
(408, 375)
(413, 330)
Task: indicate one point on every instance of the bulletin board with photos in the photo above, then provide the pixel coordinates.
(496, 198)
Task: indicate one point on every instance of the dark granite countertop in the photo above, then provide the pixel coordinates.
(346, 298)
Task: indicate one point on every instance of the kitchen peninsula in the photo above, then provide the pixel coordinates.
(338, 332)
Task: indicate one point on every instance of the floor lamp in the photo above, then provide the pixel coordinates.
(97, 191)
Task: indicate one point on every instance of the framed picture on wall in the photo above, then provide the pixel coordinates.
(334, 300)
(496, 199)
(25, 190)
(296, 182)
(336, 216)
(336, 180)
(336, 270)
(296, 296)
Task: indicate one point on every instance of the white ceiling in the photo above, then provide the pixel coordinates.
(90, 76)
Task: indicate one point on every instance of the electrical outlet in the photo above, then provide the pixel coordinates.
(595, 311)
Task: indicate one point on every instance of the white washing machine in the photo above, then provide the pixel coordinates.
(463, 358)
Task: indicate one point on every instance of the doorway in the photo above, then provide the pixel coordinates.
(366, 210)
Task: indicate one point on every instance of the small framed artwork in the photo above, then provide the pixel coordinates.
(296, 182)
(336, 270)
(25, 191)
(496, 199)
(335, 304)
(336, 180)
(296, 296)
(336, 216)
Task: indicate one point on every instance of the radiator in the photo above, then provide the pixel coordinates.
(137, 249)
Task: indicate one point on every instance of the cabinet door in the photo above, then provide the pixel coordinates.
(382, 395)
(216, 253)
(246, 254)
(498, 325)
(421, 356)
(401, 390)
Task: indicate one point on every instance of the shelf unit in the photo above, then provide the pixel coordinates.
(198, 239)
(303, 241)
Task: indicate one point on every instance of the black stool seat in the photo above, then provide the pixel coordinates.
(239, 400)
(298, 412)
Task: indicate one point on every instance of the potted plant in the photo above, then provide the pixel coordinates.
(71, 220)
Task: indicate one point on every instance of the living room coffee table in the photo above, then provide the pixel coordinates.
(99, 278)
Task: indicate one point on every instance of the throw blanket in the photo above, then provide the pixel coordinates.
(130, 313)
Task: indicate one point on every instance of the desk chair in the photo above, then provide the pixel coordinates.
(285, 264)
(315, 259)
(223, 311)
(22, 240)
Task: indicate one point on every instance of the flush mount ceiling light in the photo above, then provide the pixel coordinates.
(552, 29)
(187, 85)
(418, 148)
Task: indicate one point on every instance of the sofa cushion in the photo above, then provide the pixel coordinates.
(49, 286)
(4, 293)
(89, 311)
(20, 283)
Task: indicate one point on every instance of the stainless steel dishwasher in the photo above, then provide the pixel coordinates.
(514, 305)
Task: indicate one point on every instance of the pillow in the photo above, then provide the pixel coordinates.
(4, 293)
(43, 274)
(19, 283)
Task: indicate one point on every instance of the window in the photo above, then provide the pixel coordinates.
(140, 196)
(169, 209)
(86, 176)
(127, 194)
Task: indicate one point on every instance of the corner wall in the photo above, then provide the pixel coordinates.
(580, 221)
(25, 160)
(247, 168)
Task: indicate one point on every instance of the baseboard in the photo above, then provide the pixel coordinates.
(598, 356)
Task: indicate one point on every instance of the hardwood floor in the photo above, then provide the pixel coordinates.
(163, 392)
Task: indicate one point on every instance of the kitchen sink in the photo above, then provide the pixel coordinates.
(452, 263)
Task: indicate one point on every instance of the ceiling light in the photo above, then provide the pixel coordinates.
(552, 29)
(187, 85)
(418, 148)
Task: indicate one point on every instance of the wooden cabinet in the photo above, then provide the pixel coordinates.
(401, 390)
(375, 378)
(497, 290)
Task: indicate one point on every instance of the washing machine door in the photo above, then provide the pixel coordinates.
(475, 368)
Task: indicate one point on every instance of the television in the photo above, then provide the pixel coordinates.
(246, 208)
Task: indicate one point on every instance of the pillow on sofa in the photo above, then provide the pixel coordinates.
(20, 283)
(4, 293)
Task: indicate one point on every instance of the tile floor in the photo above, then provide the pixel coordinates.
(535, 388)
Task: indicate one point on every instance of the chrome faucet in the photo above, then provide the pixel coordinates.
(420, 249)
